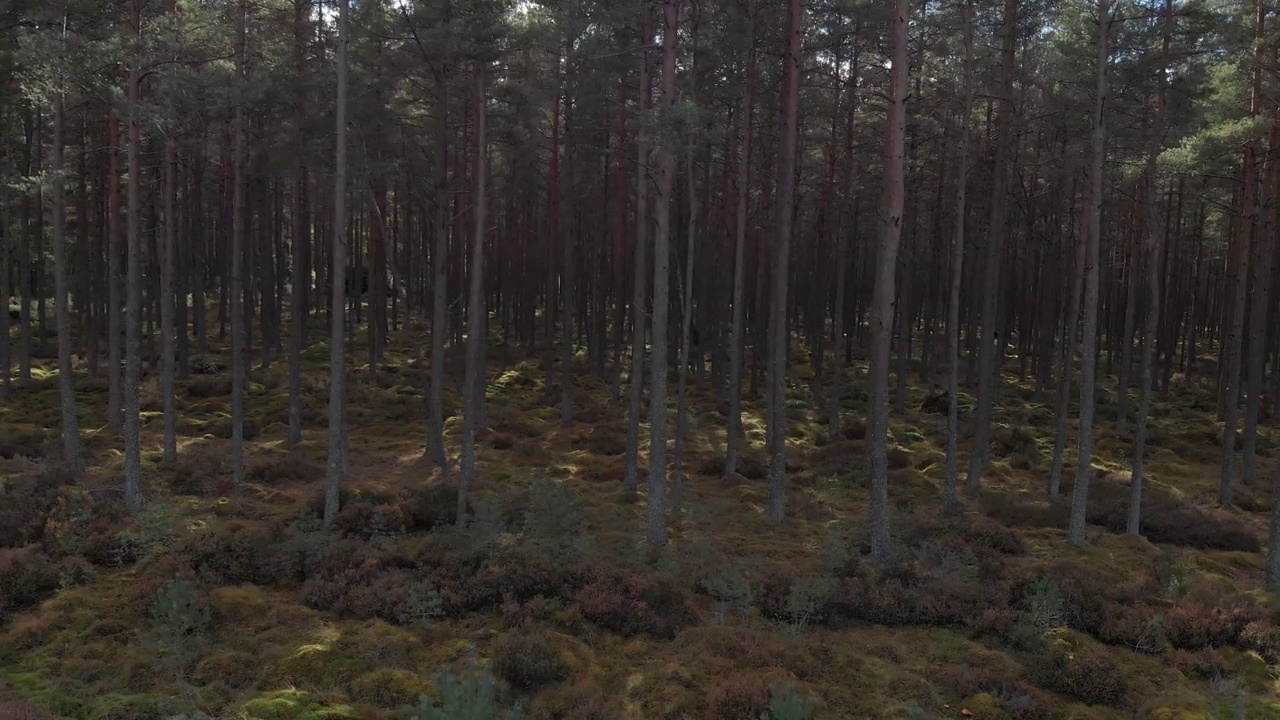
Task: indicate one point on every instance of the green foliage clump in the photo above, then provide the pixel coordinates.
(787, 704)
(153, 533)
(179, 617)
(421, 603)
(809, 600)
(554, 520)
(471, 698)
(730, 587)
(430, 507)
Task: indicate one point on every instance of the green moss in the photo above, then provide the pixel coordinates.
(290, 705)
(388, 687)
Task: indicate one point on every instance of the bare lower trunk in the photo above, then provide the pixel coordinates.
(778, 330)
(677, 464)
(636, 380)
(337, 331)
(66, 385)
(440, 285)
(1089, 339)
(473, 390)
(957, 267)
(115, 404)
(736, 339)
(239, 324)
(882, 302)
(133, 315)
(168, 361)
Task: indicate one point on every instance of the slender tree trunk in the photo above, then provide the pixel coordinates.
(957, 267)
(1229, 393)
(167, 325)
(656, 526)
(1262, 280)
(1153, 248)
(133, 317)
(66, 384)
(737, 334)
(1089, 339)
(638, 314)
(677, 470)
(473, 391)
(989, 364)
(440, 282)
(239, 220)
(778, 334)
(883, 295)
(115, 394)
(337, 327)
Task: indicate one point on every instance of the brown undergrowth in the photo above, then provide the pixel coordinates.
(223, 601)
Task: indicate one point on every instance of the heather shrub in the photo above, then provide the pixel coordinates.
(201, 470)
(738, 697)
(730, 587)
(1088, 675)
(1196, 625)
(21, 440)
(1263, 638)
(1207, 664)
(581, 701)
(27, 577)
(276, 469)
(631, 603)
(983, 533)
(234, 553)
(366, 520)
(1169, 520)
(809, 600)
(387, 687)
(429, 507)
(527, 661)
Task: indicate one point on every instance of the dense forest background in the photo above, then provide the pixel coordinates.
(999, 272)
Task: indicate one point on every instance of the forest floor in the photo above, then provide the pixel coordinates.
(228, 601)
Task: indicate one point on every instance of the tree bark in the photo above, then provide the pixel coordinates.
(737, 334)
(957, 266)
(881, 319)
(636, 380)
(66, 384)
(989, 363)
(1089, 339)
(656, 525)
(440, 281)
(473, 390)
(115, 393)
(133, 315)
(336, 467)
(239, 325)
(778, 335)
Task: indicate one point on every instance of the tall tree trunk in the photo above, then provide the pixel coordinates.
(66, 385)
(167, 262)
(656, 525)
(473, 390)
(133, 315)
(440, 281)
(1262, 280)
(989, 363)
(1229, 392)
(337, 461)
(737, 333)
(778, 335)
(115, 394)
(686, 325)
(239, 325)
(630, 479)
(881, 319)
(957, 267)
(1153, 247)
(1089, 339)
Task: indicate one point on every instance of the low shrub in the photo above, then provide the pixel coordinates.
(429, 507)
(1207, 664)
(631, 603)
(180, 615)
(1263, 638)
(387, 688)
(738, 697)
(20, 440)
(527, 661)
(581, 701)
(277, 469)
(469, 697)
(366, 520)
(27, 577)
(235, 553)
(1088, 675)
(787, 704)
(1167, 519)
(1196, 625)
(984, 533)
